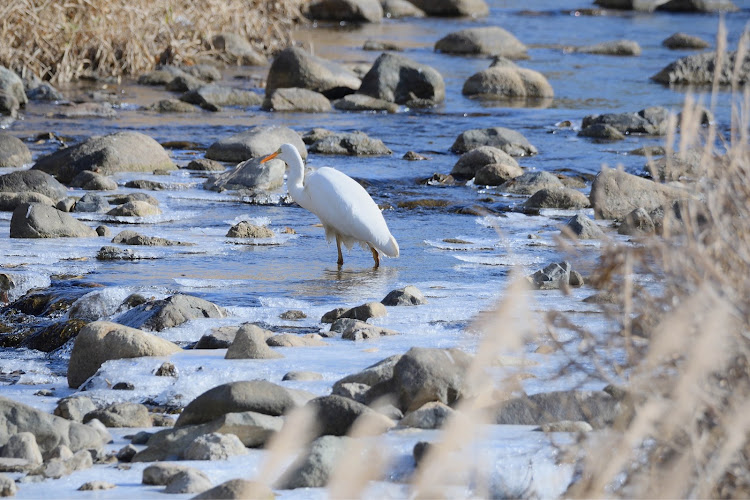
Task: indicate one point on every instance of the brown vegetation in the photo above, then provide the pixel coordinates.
(62, 41)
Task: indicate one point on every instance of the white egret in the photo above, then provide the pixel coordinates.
(343, 206)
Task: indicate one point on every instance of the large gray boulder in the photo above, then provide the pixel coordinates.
(377, 373)
(396, 78)
(33, 181)
(350, 143)
(250, 174)
(473, 160)
(214, 446)
(614, 194)
(652, 121)
(335, 415)
(699, 69)
(315, 467)
(508, 82)
(357, 11)
(294, 67)
(297, 100)
(510, 141)
(598, 408)
(11, 88)
(558, 197)
(360, 102)
(256, 142)
(165, 313)
(13, 151)
(121, 415)
(213, 96)
(39, 220)
(583, 228)
(101, 341)
(250, 343)
(50, 431)
(10, 201)
(254, 395)
(91, 181)
(119, 152)
(453, 8)
(531, 182)
(407, 296)
(489, 40)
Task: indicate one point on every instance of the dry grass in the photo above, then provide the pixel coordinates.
(62, 41)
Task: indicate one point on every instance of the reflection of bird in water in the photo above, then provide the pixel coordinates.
(342, 205)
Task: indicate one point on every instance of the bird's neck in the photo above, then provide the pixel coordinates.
(296, 178)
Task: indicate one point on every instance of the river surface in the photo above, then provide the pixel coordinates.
(298, 271)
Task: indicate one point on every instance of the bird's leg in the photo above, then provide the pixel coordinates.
(340, 262)
(375, 256)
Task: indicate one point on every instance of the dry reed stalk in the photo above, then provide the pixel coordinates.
(689, 431)
(77, 38)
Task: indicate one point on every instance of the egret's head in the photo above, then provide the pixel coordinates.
(285, 153)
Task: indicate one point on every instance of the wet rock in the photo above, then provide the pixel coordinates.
(33, 181)
(636, 223)
(429, 416)
(378, 46)
(184, 83)
(496, 174)
(48, 430)
(86, 110)
(356, 11)
(214, 446)
(424, 374)
(130, 237)
(438, 179)
(560, 197)
(121, 415)
(44, 92)
(37, 220)
(361, 102)
(698, 69)
(490, 40)
(362, 312)
(160, 76)
(354, 329)
(175, 310)
(612, 48)
(380, 372)
(314, 468)
(10, 201)
(237, 489)
(256, 142)
(354, 144)
(289, 340)
(91, 181)
(146, 184)
(121, 199)
(602, 131)
(244, 229)
(335, 415)
(650, 121)
(212, 96)
(91, 203)
(254, 395)
(64, 205)
(294, 67)
(669, 5)
(396, 78)
(583, 228)
(552, 277)
(501, 82)
(250, 343)
(126, 453)
(614, 194)
(293, 315)
(13, 151)
(54, 336)
(108, 252)
(683, 41)
(314, 135)
(218, 338)
(352, 390)
(453, 8)
(396, 9)
(160, 474)
(74, 408)
(250, 174)
(510, 141)
(205, 165)
(135, 209)
(473, 160)
(684, 164)
(119, 152)
(22, 446)
(188, 481)
(96, 486)
(101, 341)
(171, 106)
(414, 156)
(56, 469)
(11, 86)
(123, 386)
(298, 100)
(597, 408)
(531, 182)
(407, 296)
(7, 486)
(302, 375)
(236, 49)
(566, 426)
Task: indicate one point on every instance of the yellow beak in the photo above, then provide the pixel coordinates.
(270, 157)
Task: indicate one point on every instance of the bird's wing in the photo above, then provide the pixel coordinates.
(342, 205)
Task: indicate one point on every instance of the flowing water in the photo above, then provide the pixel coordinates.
(298, 271)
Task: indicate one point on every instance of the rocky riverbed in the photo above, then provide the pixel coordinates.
(172, 322)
